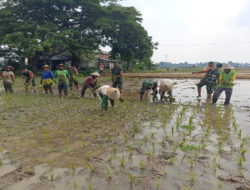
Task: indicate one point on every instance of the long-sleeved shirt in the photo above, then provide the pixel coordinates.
(226, 80)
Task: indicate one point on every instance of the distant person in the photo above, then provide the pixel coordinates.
(62, 78)
(117, 78)
(209, 80)
(8, 79)
(29, 79)
(148, 85)
(108, 93)
(101, 68)
(73, 72)
(47, 79)
(90, 83)
(226, 83)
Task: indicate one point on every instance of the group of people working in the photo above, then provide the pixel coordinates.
(216, 79)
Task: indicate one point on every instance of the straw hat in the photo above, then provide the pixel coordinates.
(228, 66)
(166, 86)
(96, 74)
(8, 66)
(46, 66)
(61, 64)
(113, 93)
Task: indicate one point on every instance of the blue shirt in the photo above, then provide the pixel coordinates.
(47, 75)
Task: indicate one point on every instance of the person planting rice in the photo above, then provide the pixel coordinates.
(166, 87)
(108, 93)
(47, 79)
(62, 76)
(91, 83)
(73, 72)
(117, 78)
(8, 79)
(226, 83)
(29, 78)
(146, 86)
(209, 80)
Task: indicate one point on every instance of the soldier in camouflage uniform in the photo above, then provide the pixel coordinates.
(209, 80)
(117, 78)
(146, 86)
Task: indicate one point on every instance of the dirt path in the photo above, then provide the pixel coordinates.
(176, 75)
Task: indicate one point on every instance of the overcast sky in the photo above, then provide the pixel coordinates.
(197, 30)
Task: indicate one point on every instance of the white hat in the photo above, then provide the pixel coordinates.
(166, 86)
(113, 93)
(228, 66)
(96, 74)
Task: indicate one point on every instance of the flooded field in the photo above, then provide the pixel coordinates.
(50, 143)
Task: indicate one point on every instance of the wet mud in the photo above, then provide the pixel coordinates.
(50, 143)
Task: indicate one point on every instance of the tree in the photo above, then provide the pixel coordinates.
(44, 28)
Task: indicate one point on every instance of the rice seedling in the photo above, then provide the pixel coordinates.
(148, 154)
(142, 166)
(240, 133)
(165, 172)
(153, 134)
(90, 186)
(74, 167)
(52, 176)
(131, 177)
(114, 149)
(145, 138)
(243, 152)
(191, 161)
(240, 160)
(157, 183)
(75, 185)
(122, 161)
(110, 158)
(153, 146)
(109, 173)
(172, 160)
(219, 185)
(192, 176)
(91, 167)
(214, 166)
(130, 150)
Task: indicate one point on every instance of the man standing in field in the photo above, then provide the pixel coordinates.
(8, 79)
(209, 80)
(73, 72)
(226, 83)
(62, 78)
(117, 78)
(47, 79)
(91, 83)
(146, 86)
(29, 79)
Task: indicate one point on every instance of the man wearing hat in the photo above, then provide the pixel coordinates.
(117, 78)
(29, 78)
(62, 78)
(47, 79)
(108, 93)
(91, 83)
(166, 87)
(146, 86)
(8, 79)
(226, 83)
(209, 80)
(73, 72)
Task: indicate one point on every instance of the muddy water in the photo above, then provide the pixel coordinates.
(187, 145)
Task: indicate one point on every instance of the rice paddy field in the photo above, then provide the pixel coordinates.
(52, 143)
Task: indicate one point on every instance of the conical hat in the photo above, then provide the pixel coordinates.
(96, 74)
(113, 93)
(46, 66)
(228, 66)
(166, 86)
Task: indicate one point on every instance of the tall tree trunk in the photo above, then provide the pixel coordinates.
(35, 61)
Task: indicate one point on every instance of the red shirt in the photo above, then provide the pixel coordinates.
(90, 81)
(101, 67)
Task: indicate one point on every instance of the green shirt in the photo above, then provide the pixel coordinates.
(226, 80)
(61, 76)
(116, 71)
